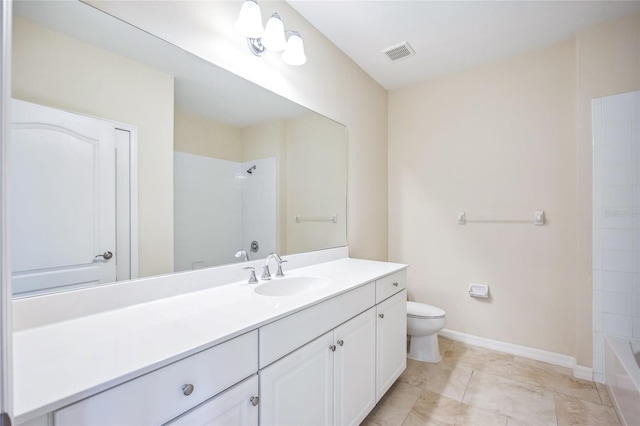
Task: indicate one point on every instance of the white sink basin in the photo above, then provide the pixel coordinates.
(289, 286)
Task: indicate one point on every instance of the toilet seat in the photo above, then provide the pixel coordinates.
(422, 310)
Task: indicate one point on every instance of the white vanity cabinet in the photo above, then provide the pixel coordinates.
(354, 364)
(337, 378)
(391, 336)
(324, 363)
(298, 389)
(161, 395)
(329, 381)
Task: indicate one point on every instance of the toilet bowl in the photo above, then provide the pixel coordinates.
(423, 323)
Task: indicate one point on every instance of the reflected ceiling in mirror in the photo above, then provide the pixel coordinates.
(223, 165)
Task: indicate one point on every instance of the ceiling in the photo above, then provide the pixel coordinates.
(449, 36)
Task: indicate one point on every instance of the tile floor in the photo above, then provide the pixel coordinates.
(473, 386)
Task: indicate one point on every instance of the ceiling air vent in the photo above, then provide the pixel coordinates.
(399, 51)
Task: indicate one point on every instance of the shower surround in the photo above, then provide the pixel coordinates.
(616, 221)
(220, 207)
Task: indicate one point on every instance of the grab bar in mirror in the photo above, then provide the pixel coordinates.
(333, 218)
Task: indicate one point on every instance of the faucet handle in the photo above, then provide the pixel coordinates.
(252, 277)
(274, 255)
(266, 274)
(280, 273)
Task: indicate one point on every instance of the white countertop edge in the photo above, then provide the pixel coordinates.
(55, 402)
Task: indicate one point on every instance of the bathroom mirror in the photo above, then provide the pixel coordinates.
(223, 165)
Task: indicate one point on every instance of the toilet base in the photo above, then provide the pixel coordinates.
(424, 348)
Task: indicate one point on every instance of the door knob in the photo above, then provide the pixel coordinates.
(381, 315)
(255, 400)
(106, 255)
(340, 342)
(332, 348)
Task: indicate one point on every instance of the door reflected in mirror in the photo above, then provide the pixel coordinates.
(222, 164)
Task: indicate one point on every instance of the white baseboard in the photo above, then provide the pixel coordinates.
(579, 371)
(582, 372)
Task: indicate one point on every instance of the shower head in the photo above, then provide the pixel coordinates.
(251, 169)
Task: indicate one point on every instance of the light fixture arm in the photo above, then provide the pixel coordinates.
(256, 47)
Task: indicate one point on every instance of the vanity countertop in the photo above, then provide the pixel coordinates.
(61, 363)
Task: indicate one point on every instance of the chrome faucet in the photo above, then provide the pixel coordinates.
(266, 274)
(242, 254)
(252, 276)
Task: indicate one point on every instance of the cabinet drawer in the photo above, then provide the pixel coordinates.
(158, 397)
(390, 285)
(233, 407)
(284, 336)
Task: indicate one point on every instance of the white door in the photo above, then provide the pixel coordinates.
(391, 336)
(236, 406)
(298, 389)
(355, 369)
(62, 199)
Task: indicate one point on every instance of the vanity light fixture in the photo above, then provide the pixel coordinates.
(273, 37)
(249, 23)
(294, 53)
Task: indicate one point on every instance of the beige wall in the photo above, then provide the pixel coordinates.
(263, 140)
(499, 139)
(47, 71)
(199, 135)
(608, 58)
(316, 166)
(497, 142)
(329, 83)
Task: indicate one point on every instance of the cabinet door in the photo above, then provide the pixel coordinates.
(233, 407)
(298, 389)
(355, 369)
(391, 334)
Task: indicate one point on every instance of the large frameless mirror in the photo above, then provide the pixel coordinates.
(131, 157)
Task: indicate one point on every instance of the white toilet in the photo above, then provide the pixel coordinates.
(423, 323)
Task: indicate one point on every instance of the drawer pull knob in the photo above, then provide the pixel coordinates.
(395, 283)
(340, 342)
(255, 400)
(187, 389)
(381, 315)
(333, 348)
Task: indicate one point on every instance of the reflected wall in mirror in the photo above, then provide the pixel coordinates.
(221, 162)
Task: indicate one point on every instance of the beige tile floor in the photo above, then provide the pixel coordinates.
(474, 386)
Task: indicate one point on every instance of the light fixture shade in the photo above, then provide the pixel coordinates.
(249, 22)
(294, 53)
(273, 38)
